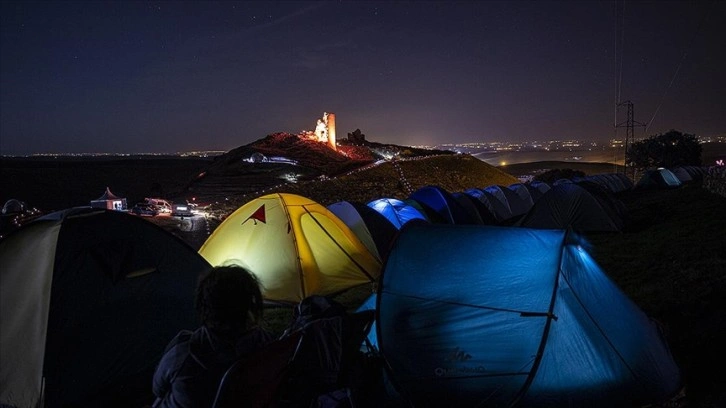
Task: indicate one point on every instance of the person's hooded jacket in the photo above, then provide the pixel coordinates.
(193, 364)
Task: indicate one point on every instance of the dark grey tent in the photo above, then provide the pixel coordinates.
(682, 174)
(660, 178)
(90, 298)
(478, 209)
(606, 197)
(568, 205)
(688, 173)
(497, 206)
(524, 194)
(536, 189)
(516, 204)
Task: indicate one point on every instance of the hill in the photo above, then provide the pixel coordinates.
(392, 179)
(283, 158)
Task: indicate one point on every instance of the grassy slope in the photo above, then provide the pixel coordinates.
(453, 173)
(671, 261)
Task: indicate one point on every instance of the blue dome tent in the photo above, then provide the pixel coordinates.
(443, 204)
(499, 316)
(396, 211)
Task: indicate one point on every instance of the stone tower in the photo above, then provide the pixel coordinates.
(330, 122)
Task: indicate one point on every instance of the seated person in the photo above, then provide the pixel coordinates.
(229, 303)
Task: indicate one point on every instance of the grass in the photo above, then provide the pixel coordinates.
(671, 260)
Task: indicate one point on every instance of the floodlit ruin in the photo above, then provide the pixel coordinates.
(324, 131)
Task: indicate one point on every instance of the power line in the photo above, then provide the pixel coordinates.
(680, 63)
(619, 51)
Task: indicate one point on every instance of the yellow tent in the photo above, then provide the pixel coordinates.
(295, 246)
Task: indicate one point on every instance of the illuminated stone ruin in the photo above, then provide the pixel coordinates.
(324, 131)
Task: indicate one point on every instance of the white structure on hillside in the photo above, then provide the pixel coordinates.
(324, 131)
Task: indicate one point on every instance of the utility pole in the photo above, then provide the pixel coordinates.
(629, 126)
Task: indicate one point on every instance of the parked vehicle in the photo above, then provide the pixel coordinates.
(182, 210)
(160, 204)
(144, 209)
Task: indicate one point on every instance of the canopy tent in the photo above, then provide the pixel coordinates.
(497, 316)
(110, 201)
(294, 245)
(89, 300)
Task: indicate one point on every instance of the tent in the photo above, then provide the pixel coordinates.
(498, 207)
(569, 205)
(613, 182)
(606, 197)
(536, 189)
(442, 203)
(660, 178)
(688, 173)
(682, 175)
(372, 338)
(523, 193)
(429, 213)
(501, 316)
(696, 172)
(352, 218)
(13, 206)
(295, 246)
(396, 211)
(89, 300)
(109, 201)
(627, 182)
(477, 210)
(514, 202)
(381, 229)
(540, 186)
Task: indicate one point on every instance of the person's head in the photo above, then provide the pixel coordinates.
(229, 299)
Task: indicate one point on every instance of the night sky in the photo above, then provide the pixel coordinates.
(132, 77)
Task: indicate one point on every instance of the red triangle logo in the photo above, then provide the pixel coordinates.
(258, 215)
